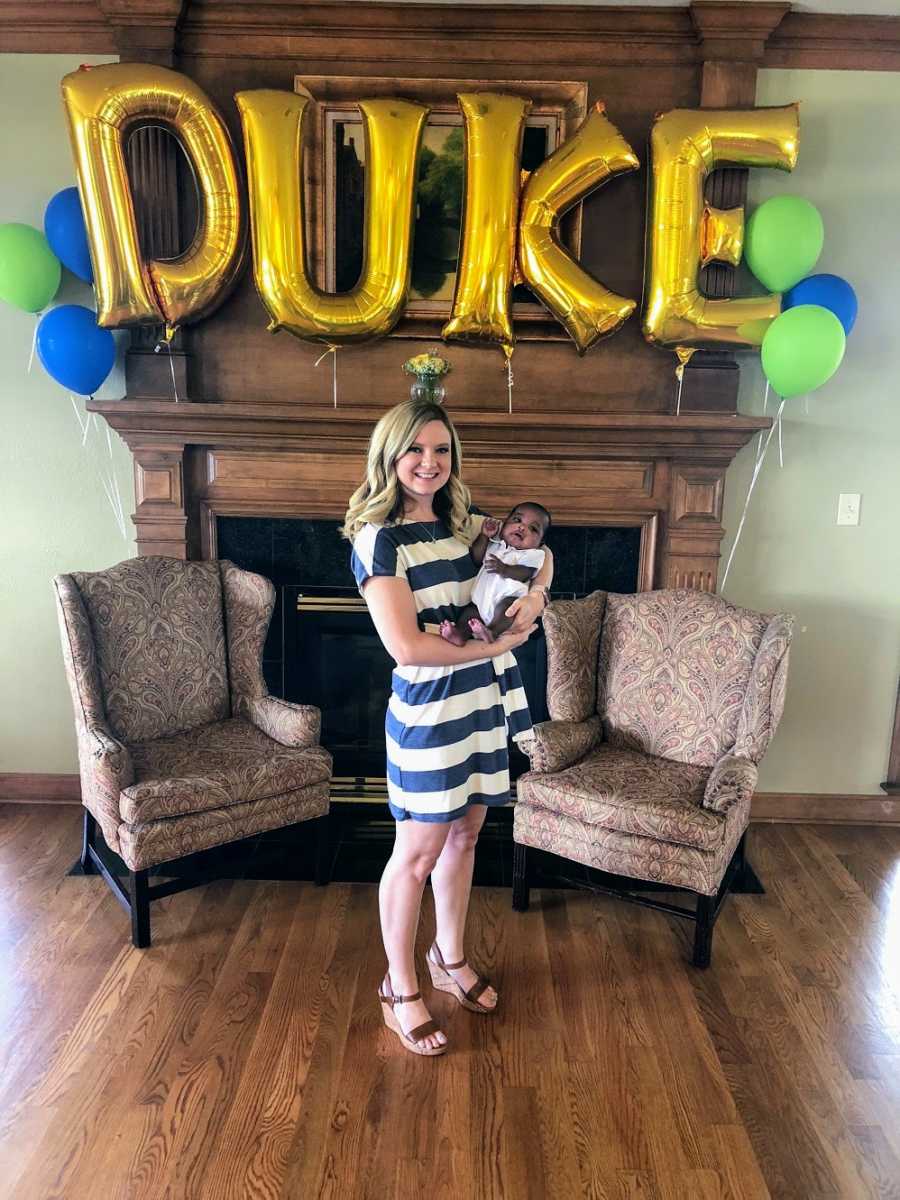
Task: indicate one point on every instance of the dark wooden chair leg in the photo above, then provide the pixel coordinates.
(140, 908)
(703, 932)
(521, 888)
(746, 882)
(323, 850)
(89, 837)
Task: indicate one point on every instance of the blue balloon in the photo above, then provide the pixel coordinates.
(74, 349)
(67, 235)
(828, 291)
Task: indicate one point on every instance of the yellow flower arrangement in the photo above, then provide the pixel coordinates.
(428, 364)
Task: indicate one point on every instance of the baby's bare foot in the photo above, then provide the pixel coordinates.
(450, 633)
(480, 631)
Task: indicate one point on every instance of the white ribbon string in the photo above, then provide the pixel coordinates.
(680, 373)
(167, 342)
(756, 470)
(37, 317)
(109, 482)
(765, 409)
(780, 443)
(332, 350)
(509, 382)
(172, 371)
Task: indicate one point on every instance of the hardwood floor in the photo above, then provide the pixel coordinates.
(244, 1055)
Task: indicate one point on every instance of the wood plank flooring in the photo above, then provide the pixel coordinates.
(243, 1056)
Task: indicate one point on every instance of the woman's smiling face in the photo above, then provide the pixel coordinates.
(425, 467)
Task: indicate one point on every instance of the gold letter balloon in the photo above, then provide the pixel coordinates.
(494, 125)
(273, 127)
(103, 105)
(587, 309)
(685, 233)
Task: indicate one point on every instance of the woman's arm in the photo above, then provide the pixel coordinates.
(393, 612)
(529, 607)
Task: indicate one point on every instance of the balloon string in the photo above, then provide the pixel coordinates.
(167, 342)
(37, 318)
(806, 404)
(332, 350)
(509, 381)
(111, 483)
(172, 370)
(756, 470)
(679, 371)
(765, 410)
(780, 444)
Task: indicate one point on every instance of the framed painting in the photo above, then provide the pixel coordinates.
(336, 187)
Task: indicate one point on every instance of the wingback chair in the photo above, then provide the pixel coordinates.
(180, 746)
(662, 705)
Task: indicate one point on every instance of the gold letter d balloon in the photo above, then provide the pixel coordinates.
(103, 104)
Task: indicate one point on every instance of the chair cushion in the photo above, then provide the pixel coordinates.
(157, 841)
(214, 766)
(639, 858)
(631, 792)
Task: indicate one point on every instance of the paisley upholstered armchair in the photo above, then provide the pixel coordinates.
(662, 705)
(180, 746)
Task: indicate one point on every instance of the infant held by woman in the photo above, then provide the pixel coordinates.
(510, 555)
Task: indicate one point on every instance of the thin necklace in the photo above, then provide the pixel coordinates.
(431, 532)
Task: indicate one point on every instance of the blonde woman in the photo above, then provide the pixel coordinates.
(451, 710)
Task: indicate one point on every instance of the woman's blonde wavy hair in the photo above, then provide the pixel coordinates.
(379, 499)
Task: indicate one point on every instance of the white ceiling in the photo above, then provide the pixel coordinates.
(884, 8)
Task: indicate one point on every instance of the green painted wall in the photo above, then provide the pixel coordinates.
(55, 514)
(843, 583)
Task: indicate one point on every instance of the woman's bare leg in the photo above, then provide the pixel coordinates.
(417, 847)
(451, 883)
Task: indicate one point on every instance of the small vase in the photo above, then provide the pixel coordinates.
(427, 389)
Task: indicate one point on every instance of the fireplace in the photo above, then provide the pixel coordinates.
(322, 647)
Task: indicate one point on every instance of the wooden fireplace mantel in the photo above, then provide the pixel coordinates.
(196, 461)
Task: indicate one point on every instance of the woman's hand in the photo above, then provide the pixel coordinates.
(511, 639)
(525, 611)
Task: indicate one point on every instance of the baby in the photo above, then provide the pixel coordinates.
(515, 558)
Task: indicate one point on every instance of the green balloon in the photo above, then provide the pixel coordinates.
(783, 241)
(802, 349)
(29, 270)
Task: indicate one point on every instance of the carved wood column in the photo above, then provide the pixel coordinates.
(160, 516)
(693, 528)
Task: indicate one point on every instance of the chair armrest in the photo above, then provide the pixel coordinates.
(559, 744)
(286, 723)
(731, 781)
(110, 760)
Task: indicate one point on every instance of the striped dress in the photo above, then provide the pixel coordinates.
(446, 727)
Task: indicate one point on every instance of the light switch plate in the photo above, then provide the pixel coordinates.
(848, 508)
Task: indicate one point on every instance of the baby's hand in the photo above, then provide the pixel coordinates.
(491, 527)
(494, 565)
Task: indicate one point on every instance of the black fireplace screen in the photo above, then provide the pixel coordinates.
(322, 647)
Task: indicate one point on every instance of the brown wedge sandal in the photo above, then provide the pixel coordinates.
(444, 982)
(412, 1039)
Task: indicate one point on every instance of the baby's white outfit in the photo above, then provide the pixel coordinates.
(490, 588)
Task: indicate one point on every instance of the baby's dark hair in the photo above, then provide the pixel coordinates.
(545, 512)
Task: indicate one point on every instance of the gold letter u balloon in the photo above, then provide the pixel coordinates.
(272, 122)
(103, 104)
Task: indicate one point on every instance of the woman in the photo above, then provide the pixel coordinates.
(451, 708)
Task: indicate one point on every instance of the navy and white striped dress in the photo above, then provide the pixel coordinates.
(446, 727)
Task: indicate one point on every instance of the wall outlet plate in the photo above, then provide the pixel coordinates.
(848, 508)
